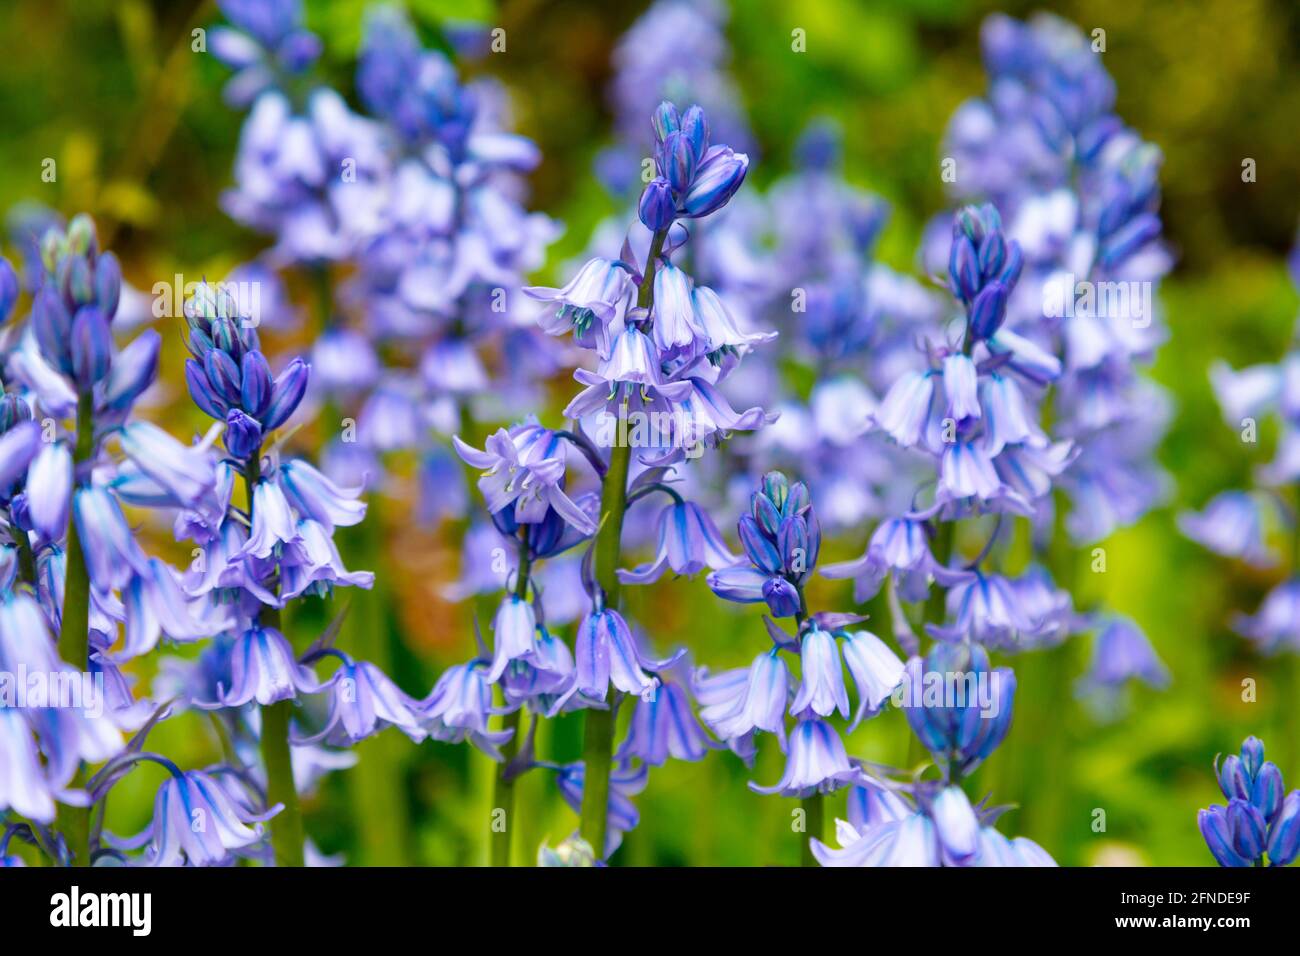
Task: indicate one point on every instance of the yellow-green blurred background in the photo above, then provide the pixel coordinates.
(111, 90)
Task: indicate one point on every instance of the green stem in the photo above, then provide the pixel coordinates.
(814, 811)
(598, 731)
(286, 827)
(74, 632)
(503, 787)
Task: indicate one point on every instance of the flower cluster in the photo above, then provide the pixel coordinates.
(1260, 817)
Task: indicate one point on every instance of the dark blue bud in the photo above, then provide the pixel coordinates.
(1129, 238)
(287, 393)
(202, 392)
(92, 347)
(796, 499)
(9, 288)
(223, 374)
(1252, 755)
(76, 282)
(1267, 791)
(657, 209)
(782, 597)
(134, 370)
(695, 127)
(759, 548)
(243, 435)
(108, 284)
(225, 336)
(1249, 831)
(665, 120)
(255, 389)
(1015, 262)
(1233, 779)
(1284, 836)
(1217, 831)
(963, 268)
(776, 488)
(21, 512)
(765, 513)
(716, 179)
(792, 542)
(992, 255)
(988, 310)
(677, 161)
(13, 410)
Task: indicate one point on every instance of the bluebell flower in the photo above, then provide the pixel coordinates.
(525, 472)
(515, 629)
(821, 686)
(195, 822)
(1122, 653)
(605, 652)
(362, 702)
(1276, 625)
(817, 762)
(664, 726)
(689, 541)
(958, 706)
(312, 564)
(943, 829)
(738, 702)
(1231, 525)
(598, 295)
(459, 706)
(263, 669)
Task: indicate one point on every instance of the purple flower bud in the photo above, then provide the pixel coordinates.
(108, 284)
(963, 269)
(1015, 262)
(677, 161)
(1249, 830)
(759, 547)
(695, 128)
(657, 209)
(1217, 832)
(9, 288)
(223, 375)
(793, 542)
(1252, 756)
(288, 391)
(766, 513)
(1284, 837)
(665, 120)
(988, 310)
(134, 370)
(992, 255)
(1233, 780)
(255, 388)
(202, 392)
(76, 282)
(243, 435)
(716, 180)
(1267, 792)
(92, 347)
(52, 323)
(781, 596)
(1129, 238)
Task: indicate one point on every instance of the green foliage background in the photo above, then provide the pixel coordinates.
(111, 90)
